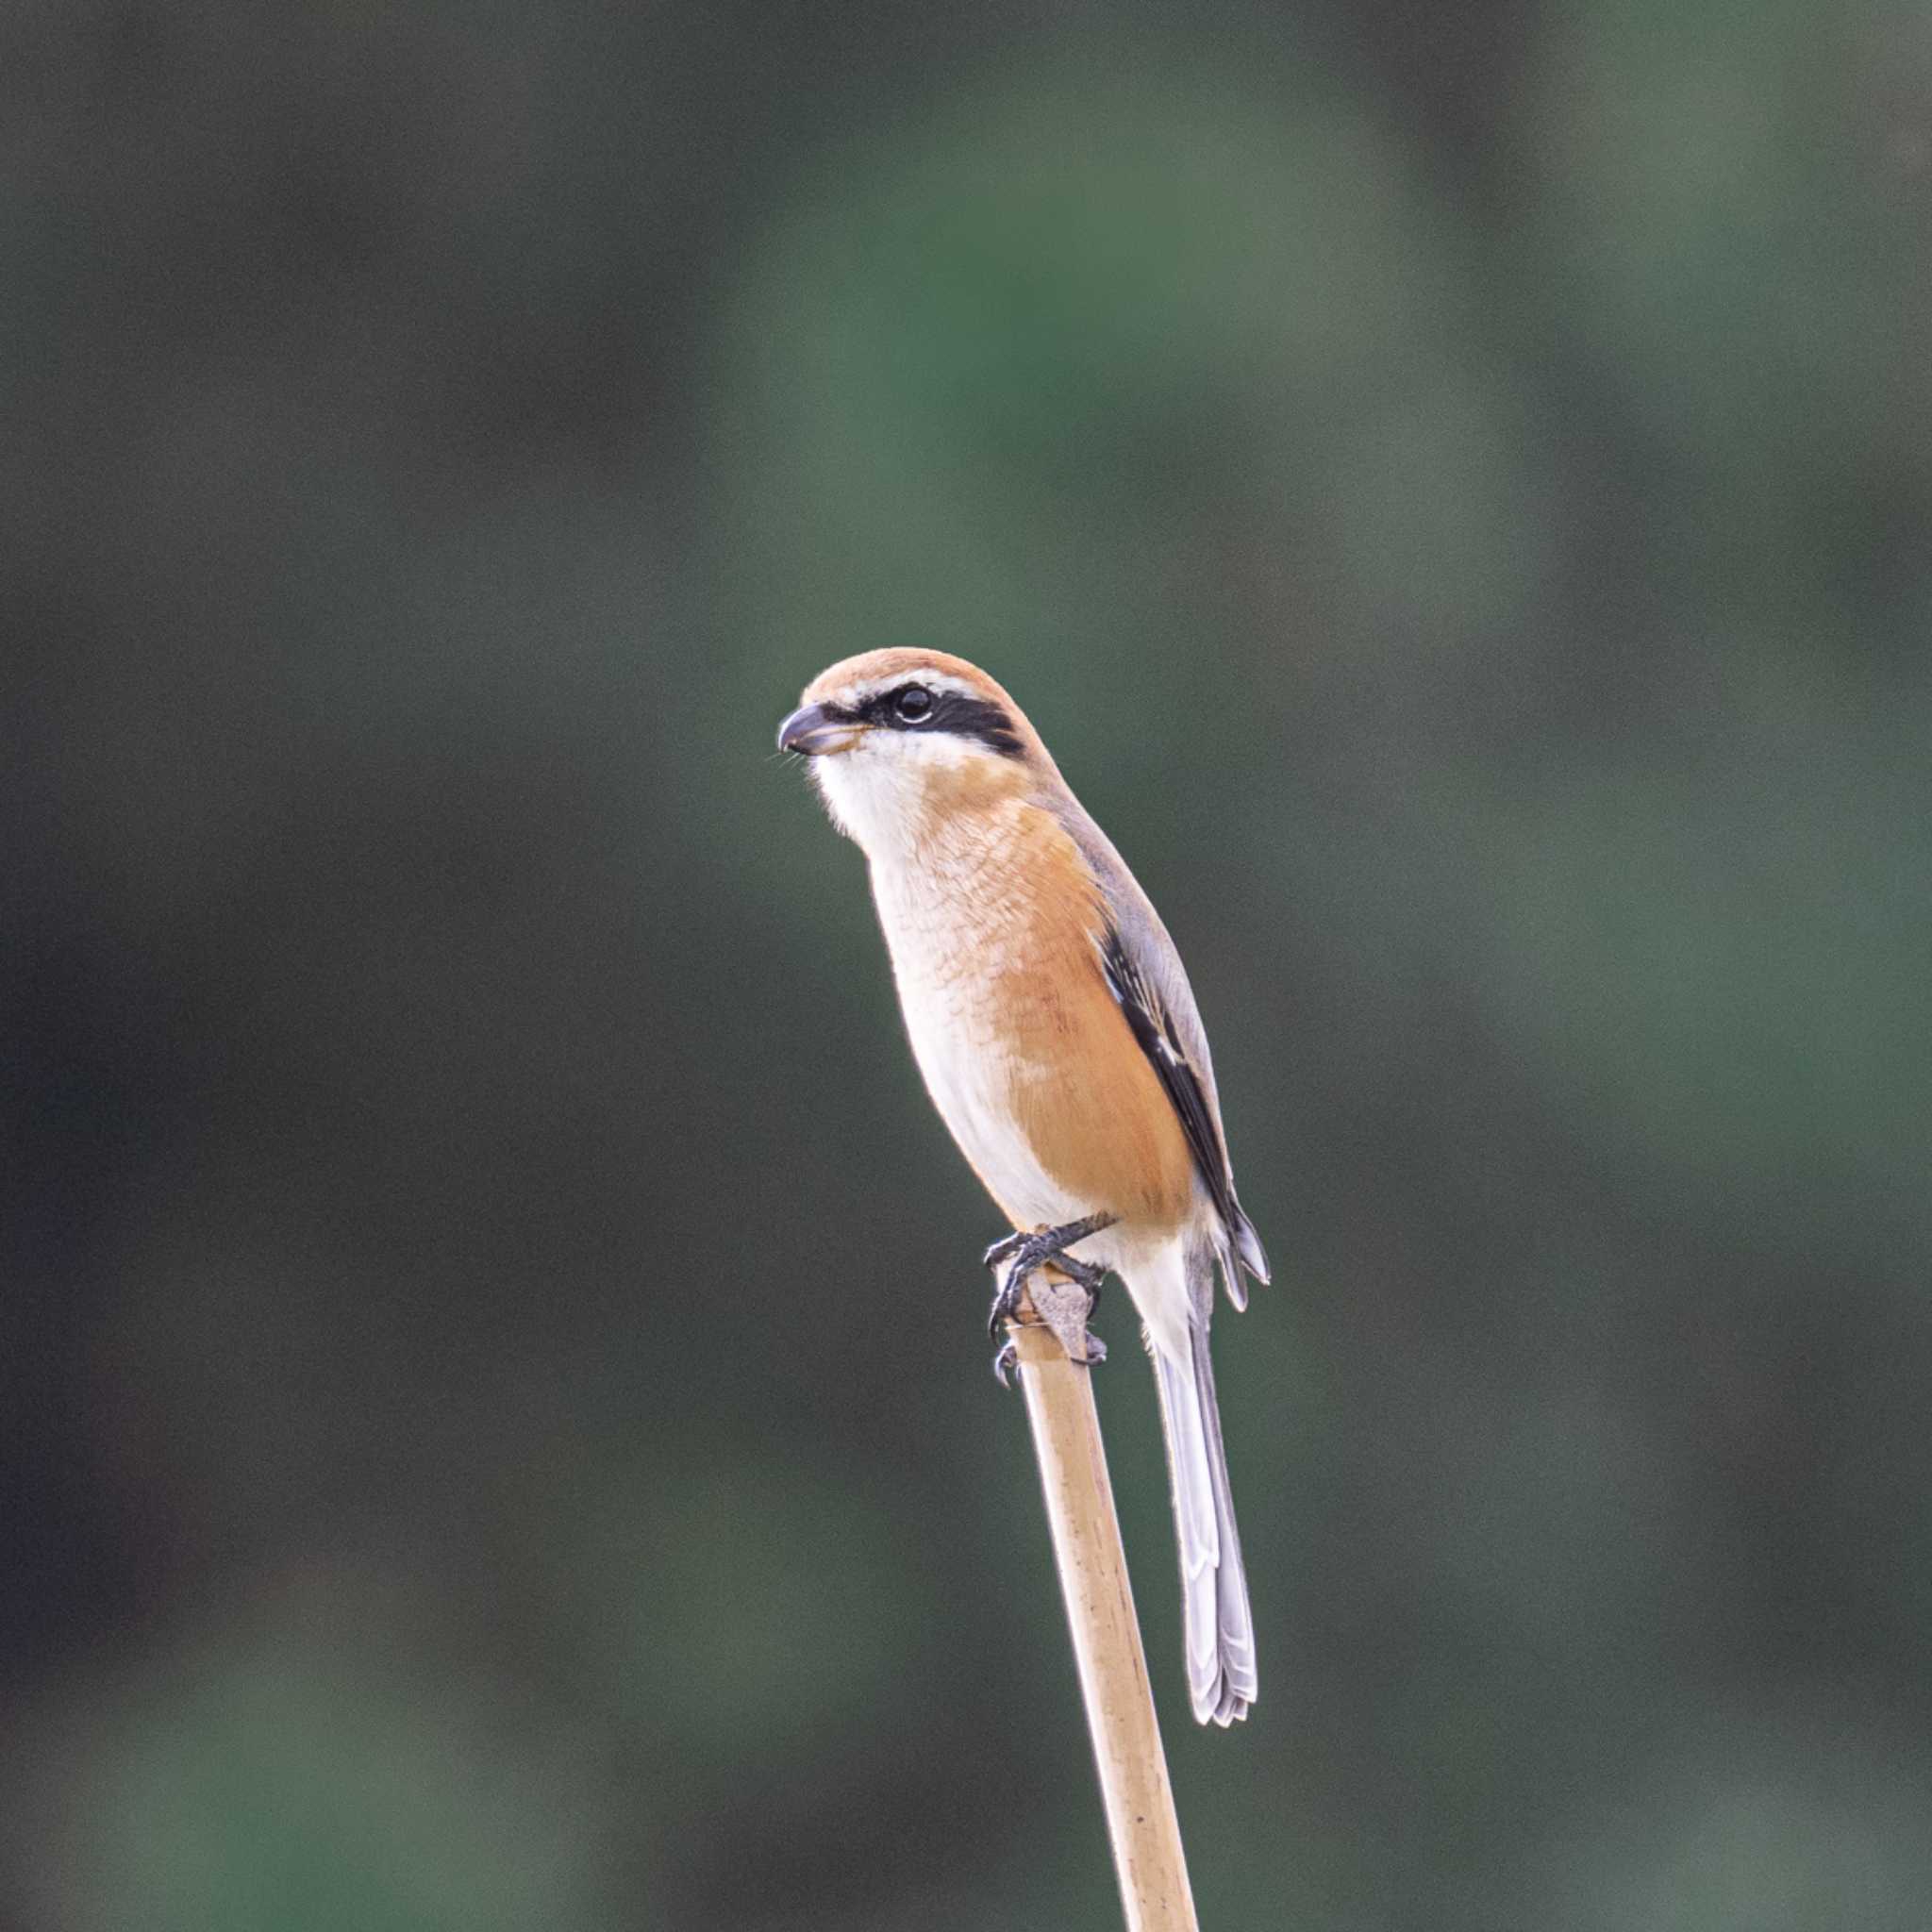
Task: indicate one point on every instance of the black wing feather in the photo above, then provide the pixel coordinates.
(1154, 1032)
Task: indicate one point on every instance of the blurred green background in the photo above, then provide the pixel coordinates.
(497, 1431)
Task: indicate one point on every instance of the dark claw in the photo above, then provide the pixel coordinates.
(1002, 1250)
(1006, 1361)
(1045, 1243)
(1006, 1301)
(1028, 1252)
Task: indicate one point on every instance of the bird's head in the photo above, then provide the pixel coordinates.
(897, 737)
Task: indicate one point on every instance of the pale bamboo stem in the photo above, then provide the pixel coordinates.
(1140, 1820)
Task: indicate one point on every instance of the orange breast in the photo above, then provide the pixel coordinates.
(1023, 910)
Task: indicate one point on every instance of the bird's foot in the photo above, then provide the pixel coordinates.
(1026, 1254)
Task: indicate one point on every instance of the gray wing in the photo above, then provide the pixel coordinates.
(1144, 974)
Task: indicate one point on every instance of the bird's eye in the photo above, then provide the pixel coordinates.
(913, 705)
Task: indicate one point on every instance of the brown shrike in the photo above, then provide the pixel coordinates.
(1053, 1022)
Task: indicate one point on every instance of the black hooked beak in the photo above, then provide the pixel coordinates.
(813, 729)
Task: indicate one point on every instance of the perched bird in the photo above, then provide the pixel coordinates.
(1053, 1022)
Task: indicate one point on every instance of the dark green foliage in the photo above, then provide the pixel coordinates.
(497, 1429)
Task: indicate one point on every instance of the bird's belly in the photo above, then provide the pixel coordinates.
(1025, 1054)
(974, 1089)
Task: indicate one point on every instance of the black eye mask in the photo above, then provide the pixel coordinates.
(979, 718)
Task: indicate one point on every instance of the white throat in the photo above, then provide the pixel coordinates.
(875, 793)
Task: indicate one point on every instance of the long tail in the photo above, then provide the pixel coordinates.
(1217, 1622)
